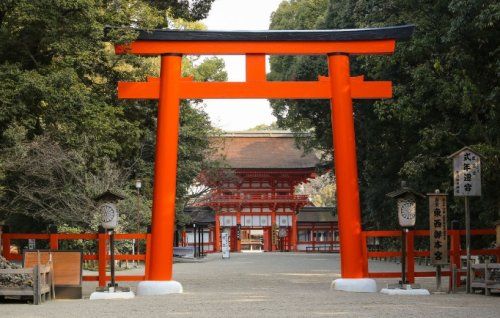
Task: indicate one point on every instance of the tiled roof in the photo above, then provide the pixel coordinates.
(317, 214)
(265, 149)
(200, 215)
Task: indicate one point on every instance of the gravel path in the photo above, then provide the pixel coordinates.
(267, 285)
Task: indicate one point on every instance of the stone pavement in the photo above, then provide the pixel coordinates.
(268, 285)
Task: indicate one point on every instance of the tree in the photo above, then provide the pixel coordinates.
(58, 84)
(445, 97)
(51, 185)
(321, 190)
(271, 126)
(301, 115)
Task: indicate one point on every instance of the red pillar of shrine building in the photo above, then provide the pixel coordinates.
(216, 238)
(260, 195)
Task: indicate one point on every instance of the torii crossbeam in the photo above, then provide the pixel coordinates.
(339, 87)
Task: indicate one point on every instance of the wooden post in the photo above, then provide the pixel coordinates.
(195, 243)
(102, 258)
(453, 278)
(147, 260)
(217, 234)
(198, 247)
(36, 285)
(333, 238)
(255, 67)
(455, 253)
(313, 234)
(238, 221)
(112, 259)
(403, 257)
(293, 234)
(410, 256)
(365, 254)
(346, 171)
(438, 278)
(265, 236)
(273, 224)
(167, 136)
(54, 241)
(6, 245)
(467, 245)
(487, 274)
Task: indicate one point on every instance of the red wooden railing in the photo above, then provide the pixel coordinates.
(102, 255)
(333, 246)
(455, 252)
(222, 198)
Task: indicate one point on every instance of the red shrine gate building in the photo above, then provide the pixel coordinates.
(257, 206)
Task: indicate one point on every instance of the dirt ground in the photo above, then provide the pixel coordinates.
(268, 285)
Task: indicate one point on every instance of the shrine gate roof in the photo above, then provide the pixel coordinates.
(265, 150)
(401, 32)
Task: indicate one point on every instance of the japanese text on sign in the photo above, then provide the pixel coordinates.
(467, 174)
(225, 244)
(438, 229)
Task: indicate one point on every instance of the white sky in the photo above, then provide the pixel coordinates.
(239, 114)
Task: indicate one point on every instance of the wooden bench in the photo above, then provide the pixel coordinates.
(67, 267)
(486, 276)
(42, 283)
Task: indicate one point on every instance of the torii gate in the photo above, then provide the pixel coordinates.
(339, 87)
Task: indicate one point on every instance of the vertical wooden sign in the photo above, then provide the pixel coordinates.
(274, 237)
(466, 173)
(438, 229)
(225, 244)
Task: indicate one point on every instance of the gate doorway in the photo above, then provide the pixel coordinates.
(252, 240)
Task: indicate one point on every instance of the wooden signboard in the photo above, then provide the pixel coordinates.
(466, 173)
(67, 270)
(274, 237)
(225, 245)
(438, 229)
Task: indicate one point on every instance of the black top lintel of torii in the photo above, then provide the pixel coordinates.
(402, 32)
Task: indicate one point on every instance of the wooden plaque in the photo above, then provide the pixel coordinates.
(67, 265)
(438, 229)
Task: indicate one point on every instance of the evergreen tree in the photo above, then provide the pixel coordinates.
(445, 97)
(58, 75)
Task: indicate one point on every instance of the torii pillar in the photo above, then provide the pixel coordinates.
(339, 87)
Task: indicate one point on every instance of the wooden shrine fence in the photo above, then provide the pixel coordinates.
(101, 254)
(455, 252)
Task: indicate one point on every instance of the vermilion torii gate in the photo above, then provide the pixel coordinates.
(340, 87)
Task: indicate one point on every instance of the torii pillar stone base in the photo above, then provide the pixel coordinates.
(357, 285)
(152, 288)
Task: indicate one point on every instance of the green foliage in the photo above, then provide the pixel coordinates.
(58, 90)
(189, 10)
(301, 115)
(271, 126)
(321, 190)
(445, 97)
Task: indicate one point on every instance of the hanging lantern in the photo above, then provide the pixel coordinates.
(406, 199)
(407, 208)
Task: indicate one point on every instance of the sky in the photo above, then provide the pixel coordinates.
(239, 114)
